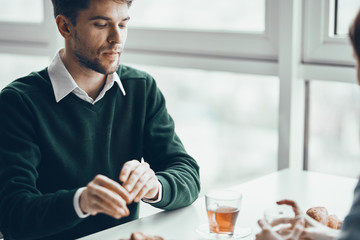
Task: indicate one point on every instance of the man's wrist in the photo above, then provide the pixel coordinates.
(159, 195)
(76, 202)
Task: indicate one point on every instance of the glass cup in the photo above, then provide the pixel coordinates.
(223, 207)
(280, 216)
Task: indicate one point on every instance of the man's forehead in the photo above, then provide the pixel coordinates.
(101, 6)
(103, 1)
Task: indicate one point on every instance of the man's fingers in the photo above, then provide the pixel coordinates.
(127, 169)
(107, 200)
(106, 195)
(107, 209)
(139, 180)
(136, 176)
(147, 185)
(149, 189)
(113, 186)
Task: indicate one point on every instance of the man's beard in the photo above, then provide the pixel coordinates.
(93, 64)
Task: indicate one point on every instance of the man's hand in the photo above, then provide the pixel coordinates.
(103, 195)
(139, 180)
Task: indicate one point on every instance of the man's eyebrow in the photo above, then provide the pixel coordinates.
(106, 18)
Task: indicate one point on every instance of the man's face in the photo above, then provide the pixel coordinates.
(99, 35)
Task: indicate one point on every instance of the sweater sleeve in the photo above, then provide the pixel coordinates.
(25, 212)
(351, 226)
(177, 171)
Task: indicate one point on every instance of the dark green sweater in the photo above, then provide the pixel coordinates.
(48, 150)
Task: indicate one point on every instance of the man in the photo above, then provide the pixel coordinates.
(69, 135)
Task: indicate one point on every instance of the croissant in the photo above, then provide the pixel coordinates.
(321, 215)
(334, 222)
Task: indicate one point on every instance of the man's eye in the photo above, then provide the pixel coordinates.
(99, 25)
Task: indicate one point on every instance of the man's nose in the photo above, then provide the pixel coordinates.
(116, 35)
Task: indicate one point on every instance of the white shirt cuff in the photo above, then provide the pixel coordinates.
(76, 202)
(159, 196)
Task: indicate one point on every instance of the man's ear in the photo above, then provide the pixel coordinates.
(64, 26)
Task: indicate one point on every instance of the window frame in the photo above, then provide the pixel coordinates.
(244, 45)
(321, 45)
(29, 38)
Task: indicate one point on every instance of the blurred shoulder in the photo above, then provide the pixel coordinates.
(33, 82)
(127, 73)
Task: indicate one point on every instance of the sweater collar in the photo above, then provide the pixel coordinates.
(63, 83)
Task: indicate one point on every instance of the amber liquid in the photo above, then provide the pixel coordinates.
(223, 219)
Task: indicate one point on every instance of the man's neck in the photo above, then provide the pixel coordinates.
(88, 80)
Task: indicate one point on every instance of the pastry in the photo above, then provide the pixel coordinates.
(321, 215)
(334, 222)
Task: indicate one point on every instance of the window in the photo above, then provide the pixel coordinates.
(231, 28)
(321, 45)
(345, 12)
(226, 121)
(14, 66)
(22, 11)
(334, 128)
(229, 15)
(29, 27)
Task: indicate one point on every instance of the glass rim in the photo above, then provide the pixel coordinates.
(224, 194)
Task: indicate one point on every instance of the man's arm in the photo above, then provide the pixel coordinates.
(25, 212)
(177, 171)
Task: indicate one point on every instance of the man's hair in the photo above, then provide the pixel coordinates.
(354, 33)
(71, 8)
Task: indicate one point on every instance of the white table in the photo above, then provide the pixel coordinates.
(309, 189)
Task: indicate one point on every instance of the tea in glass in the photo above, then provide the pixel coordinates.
(223, 207)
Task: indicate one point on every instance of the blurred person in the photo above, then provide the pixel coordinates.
(350, 229)
(303, 226)
(73, 135)
(351, 225)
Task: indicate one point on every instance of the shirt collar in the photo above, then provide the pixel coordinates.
(63, 83)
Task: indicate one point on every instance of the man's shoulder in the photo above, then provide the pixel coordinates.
(33, 82)
(127, 73)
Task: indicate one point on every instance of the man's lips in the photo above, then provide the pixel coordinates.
(112, 55)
